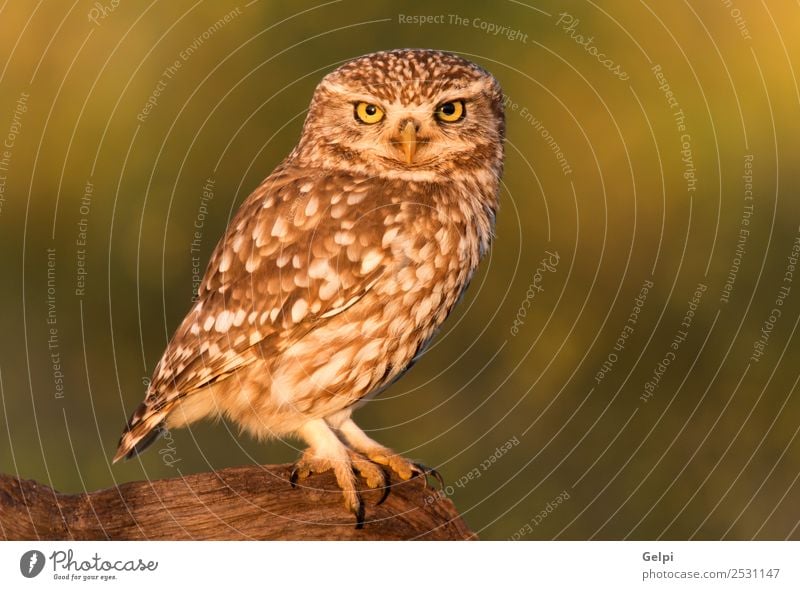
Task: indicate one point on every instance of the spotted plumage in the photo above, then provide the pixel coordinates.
(339, 268)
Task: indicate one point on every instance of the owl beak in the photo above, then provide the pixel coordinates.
(408, 141)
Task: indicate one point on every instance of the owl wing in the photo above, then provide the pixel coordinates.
(298, 251)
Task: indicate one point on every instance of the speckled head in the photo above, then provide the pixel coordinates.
(401, 113)
(408, 76)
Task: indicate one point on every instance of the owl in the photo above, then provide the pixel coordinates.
(336, 272)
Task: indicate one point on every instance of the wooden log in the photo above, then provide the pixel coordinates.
(246, 503)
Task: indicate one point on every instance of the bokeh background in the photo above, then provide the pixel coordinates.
(649, 144)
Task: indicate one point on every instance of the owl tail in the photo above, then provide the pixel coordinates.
(142, 430)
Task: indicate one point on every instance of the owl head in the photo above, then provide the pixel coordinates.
(407, 113)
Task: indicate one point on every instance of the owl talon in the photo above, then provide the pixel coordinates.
(425, 472)
(355, 505)
(439, 479)
(296, 474)
(303, 468)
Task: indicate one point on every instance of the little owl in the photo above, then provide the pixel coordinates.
(335, 274)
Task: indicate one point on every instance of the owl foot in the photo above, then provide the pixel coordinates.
(345, 470)
(405, 469)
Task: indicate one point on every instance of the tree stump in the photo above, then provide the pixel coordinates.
(245, 503)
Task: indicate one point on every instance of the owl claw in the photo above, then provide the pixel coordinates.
(307, 465)
(425, 472)
(298, 472)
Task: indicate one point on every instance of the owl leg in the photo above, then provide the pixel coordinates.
(361, 443)
(327, 452)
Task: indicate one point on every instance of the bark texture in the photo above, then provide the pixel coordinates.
(247, 503)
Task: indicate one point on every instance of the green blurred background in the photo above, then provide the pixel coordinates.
(598, 172)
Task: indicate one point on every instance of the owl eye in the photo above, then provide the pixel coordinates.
(368, 113)
(450, 112)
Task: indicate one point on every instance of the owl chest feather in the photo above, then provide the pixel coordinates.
(434, 253)
(431, 239)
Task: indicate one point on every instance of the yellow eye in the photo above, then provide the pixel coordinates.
(450, 112)
(368, 113)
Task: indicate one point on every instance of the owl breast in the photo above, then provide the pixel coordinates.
(434, 254)
(431, 246)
